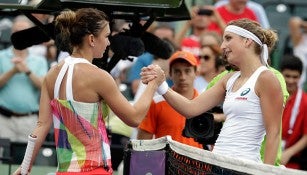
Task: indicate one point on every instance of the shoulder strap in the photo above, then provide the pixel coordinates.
(231, 81)
(255, 75)
(259, 70)
(59, 80)
(69, 64)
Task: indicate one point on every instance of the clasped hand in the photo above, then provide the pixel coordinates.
(20, 64)
(152, 73)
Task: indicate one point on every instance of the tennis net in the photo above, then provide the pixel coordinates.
(165, 156)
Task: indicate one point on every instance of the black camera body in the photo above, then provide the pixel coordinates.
(199, 127)
(203, 128)
(205, 12)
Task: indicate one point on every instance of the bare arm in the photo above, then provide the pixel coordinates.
(36, 80)
(219, 117)
(44, 121)
(267, 87)
(186, 27)
(5, 77)
(191, 108)
(182, 33)
(43, 124)
(132, 115)
(216, 17)
(295, 24)
(202, 103)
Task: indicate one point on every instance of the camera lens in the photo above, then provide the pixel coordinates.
(203, 128)
(200, 126)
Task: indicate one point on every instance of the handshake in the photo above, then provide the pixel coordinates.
(154, 73)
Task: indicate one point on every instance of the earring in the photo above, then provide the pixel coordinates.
(92, 45)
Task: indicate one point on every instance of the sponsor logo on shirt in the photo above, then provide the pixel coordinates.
(243, 93)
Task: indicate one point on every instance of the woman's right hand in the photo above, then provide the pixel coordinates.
(152, 73)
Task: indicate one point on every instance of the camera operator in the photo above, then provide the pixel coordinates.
(162, 119)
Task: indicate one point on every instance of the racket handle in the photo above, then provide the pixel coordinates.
(28, 155)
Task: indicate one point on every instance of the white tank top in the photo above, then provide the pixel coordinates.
(243, 130)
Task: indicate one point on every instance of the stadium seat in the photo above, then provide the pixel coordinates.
(10, 1)
(299, 2)
(46, 157)
(279, 15)
(5, 152)
(300, 11)
(5, 38)
(278, 19)
(281, 47)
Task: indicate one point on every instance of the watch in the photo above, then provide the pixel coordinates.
(28, 72)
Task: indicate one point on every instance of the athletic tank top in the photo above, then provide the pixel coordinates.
(80, 133)
(243, 129)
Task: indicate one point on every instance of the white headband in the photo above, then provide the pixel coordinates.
(247, 34)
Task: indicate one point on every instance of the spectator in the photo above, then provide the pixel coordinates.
(162, 119)
(298, 34)
(47, 49)
(246, 95)
(210, 38)
(201, 18)
(256, 8)
(133, 77)
(76, 93)
(210, 65)
(21, 76)
(119, 69)
(294, 121)
(233, 10)
(163, 63)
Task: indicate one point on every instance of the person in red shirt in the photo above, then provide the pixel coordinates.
(294, 121)
(201, 18)
(233, 10)
(162, 119)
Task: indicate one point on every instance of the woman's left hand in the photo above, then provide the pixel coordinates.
(148, 73)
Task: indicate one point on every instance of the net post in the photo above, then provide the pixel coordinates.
(127, 157)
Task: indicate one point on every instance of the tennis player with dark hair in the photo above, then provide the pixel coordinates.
(247, 95)
(76, 96)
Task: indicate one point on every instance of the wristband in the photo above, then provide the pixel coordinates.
(162, 89)
(25, 165)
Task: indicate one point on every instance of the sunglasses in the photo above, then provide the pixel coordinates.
(205, 57)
